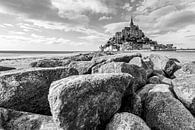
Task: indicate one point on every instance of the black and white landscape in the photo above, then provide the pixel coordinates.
(97, 65)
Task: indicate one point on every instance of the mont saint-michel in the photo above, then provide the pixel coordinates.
(133, 38)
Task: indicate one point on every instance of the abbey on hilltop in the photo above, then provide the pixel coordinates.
(132, 38)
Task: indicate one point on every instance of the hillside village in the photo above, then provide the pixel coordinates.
(133, 38)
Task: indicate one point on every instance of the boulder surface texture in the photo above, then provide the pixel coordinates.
(184, 88)
(27, 90)
(17, 120)
(164, 112)
(127, 121)
(87, 101)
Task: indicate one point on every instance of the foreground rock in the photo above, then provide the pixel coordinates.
(160, 79)
(3, 68)
(56, 62)
(164, 112)
(136, 61)
(50, 63)
(159, 62)
(184, 88)
(16, 120)
(139, 74)
(27, 90)
(87, 101)
(116, 58)
(171, 67)
(147, 64)
(127, 121)
(186, 69)
(83, 67)
(154, 80)
(162, 63)
(143, 93)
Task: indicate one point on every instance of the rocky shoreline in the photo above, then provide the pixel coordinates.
(97, 91)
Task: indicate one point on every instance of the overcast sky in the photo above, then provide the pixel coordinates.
(86, 24)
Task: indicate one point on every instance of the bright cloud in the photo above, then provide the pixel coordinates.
(115, 27)
(127, 7)
(105, 18)
(86, 24)
(78, 6)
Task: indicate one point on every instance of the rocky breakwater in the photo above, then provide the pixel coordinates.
(99, 91)
(27, 90)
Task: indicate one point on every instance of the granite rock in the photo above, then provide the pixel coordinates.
(87, 101)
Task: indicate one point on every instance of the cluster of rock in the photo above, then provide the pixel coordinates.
(99, 91)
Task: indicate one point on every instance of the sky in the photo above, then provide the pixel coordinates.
(83, 25)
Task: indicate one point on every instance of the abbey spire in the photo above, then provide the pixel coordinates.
(131, 24)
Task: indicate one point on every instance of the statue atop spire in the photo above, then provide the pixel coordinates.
(131, 24)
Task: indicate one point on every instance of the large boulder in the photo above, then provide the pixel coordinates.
(184, 88)
(17, 120)
(50, 63)
(56, 62)
(159, 62)
(147, 64)
(186, 69)
(127, 121)
(171, 67)
(87, 101)
(143, 93)
(136, 61)
(27, 90)
(139, 73)
(132, 103)
(99, 54)
(3, 68)
(165, 80)
(83, 67)
(154, 80)
(163, 64)
(89, 56)
(115, 58)
(164, 112)
(160, 79)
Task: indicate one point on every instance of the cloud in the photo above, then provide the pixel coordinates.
(37, 25)
(8, 25)
(105, 18)
(170, 16)
(127, 7)
(95, 37)
(115, 27)
(183, 38)
(95, 6)
(33, 39)
(176, 20)
(27, 27)
(40, 10)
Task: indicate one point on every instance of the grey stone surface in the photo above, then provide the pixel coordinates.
(87, 101)
(27, 90)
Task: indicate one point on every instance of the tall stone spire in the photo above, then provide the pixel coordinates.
(131, 24)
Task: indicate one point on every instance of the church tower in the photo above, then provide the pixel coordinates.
(131, 24)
